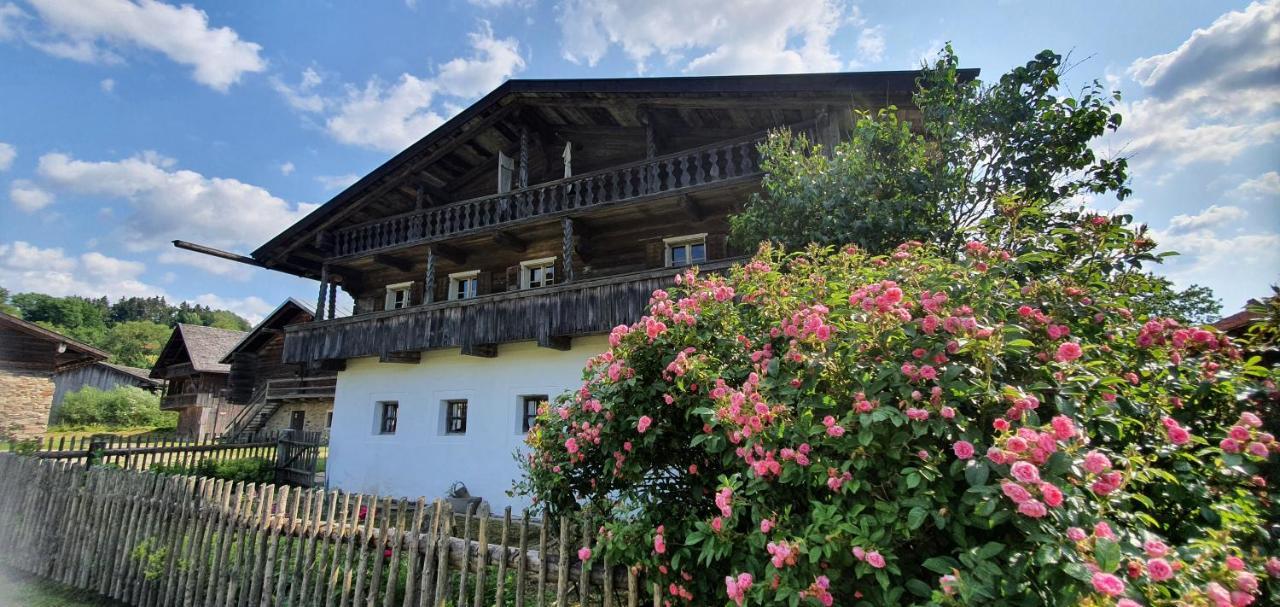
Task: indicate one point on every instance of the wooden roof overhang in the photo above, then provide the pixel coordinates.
(289, 312)
(609, 117)
(34, 339)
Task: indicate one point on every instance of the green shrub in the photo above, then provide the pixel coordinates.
(120, 407)
(908, 428)
(249, 470)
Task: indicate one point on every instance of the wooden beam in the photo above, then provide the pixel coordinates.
(390, 261)
(510, 241)
(556, 342)
(692, 208)
(405, 358)
(454, 254)
(480, 350)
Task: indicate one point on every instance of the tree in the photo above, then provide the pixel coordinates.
(5, 306)
(996, 428)
(223, 319)
(1018, 137)
(136, 343)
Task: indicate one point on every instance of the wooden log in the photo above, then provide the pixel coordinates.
(501, 587)
(442, 555)
(562, 573)
(483, 544)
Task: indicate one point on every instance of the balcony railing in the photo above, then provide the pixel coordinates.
(546, 315)
(714, 164)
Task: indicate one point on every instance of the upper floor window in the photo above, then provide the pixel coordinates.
(529, 410)
(506, 169)
(398, 295)
(537, 273)
(388, 411)
(686, 250)
(464, 285)
(455, 416)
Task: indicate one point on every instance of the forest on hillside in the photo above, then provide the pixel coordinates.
(132, 329)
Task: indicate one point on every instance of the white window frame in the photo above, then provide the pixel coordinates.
(380, 410)
(685, 241)
(457, 277)
(544, 262)
(406, 288)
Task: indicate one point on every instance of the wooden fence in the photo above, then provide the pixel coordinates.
(147, 539)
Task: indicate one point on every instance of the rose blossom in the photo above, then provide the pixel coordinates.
(963, 449)
(1159, 570)
(1068, 352)
(1108, 584)
(1025, 472)
(584, 553)
(875, 559)
(643, 424)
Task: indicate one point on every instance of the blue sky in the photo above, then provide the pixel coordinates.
(125, 124)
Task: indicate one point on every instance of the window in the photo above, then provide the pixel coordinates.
(464, 285)
(686, 250)
(506, 166)
(537, 273)
(529, 410)
(455, 417)
(388, 410)
(328, 420)
(398, 295)
(297, 420)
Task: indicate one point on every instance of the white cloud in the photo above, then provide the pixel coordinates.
(28, 197)
(213, 265)
(100, 31)
(497, 3)
(1207, 257)
(1210, 100)
(287, 169)
(337, 182)
(25, 267)
(251, 308)
(1212, 217)
(108, 85)
(763, 36)
(871, 44)
(389, 117)
(171, 203)
(1262, 186)
(303, 96)
(7, 154)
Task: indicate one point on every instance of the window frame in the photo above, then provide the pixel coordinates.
(687, 243)
(544, 263)
(526, 419)
(385, 406)
(467, 276)
(399, 287)
(450, 417)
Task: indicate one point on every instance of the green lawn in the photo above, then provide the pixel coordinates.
(21, 589)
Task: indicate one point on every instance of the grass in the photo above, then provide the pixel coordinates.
(56, 433)
(21, 589)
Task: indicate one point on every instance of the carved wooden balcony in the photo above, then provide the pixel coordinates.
(550, 316)
(707, 166)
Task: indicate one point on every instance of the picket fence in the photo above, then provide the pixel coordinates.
(147, 539)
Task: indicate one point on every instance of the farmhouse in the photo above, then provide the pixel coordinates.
(490, 259)
(30, 357)
(196, 379)
(277, 395)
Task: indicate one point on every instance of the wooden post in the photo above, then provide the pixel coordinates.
(324, 284)
(429, 281)
(333, 298)
(567, 225)
(523, 175)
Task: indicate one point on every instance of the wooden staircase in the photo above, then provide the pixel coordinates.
(274, 393)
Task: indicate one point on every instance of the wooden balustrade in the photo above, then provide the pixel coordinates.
(698, 167)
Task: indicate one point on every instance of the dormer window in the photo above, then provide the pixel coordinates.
(686, 250)
(464, 285)
(398, 295)
(537, 273)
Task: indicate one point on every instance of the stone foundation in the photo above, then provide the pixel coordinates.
(316, 416)
(26, 397)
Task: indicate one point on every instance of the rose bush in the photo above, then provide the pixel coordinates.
(828, 427)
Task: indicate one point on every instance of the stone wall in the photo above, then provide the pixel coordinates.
(26, 396)
(316, 416)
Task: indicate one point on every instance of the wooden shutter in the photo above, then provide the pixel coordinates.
(513, 278)
(717, 247)
(655, 254)
(484, 283)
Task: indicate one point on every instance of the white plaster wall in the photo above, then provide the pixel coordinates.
(420, 459)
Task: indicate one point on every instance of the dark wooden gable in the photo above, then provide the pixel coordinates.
(29, 345)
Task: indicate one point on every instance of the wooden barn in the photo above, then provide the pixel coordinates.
(103, 376)
(277, 395)
(30, 357)
(196, 379)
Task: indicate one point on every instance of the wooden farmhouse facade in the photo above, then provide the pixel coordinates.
(278, 395)
(30, 357)
(490, 259)
(196, 379)
(103, 376)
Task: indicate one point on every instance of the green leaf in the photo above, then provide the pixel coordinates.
(916, 517)
(919, 588)
(977, 474)
(1107, 554)
(990, 549)
(941, 564)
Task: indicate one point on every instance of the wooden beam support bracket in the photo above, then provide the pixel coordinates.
(407, 358)
(452, 254)
(556, 342)
(389, 261)
(510, 241)
(480, 350)
(692, 208)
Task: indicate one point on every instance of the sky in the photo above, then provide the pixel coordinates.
(126, 124)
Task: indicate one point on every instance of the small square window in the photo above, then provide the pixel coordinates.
(537, 273)
(464, 285)
(529, 410)
(398, 295)
(455, 417)
(686, 250)
(388, 411)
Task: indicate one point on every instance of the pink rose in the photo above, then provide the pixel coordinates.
(1025, 472)
(584, 553)
(1076, 534)
(766, 525)
(875, 559)
(1052, 494)
(1108, 584)
(1032, 508)
(1068, 352)
(1096, 462)
(1159, 570)
(643, 424)
(963, 449)
(1063, 427)
(1155, 548)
